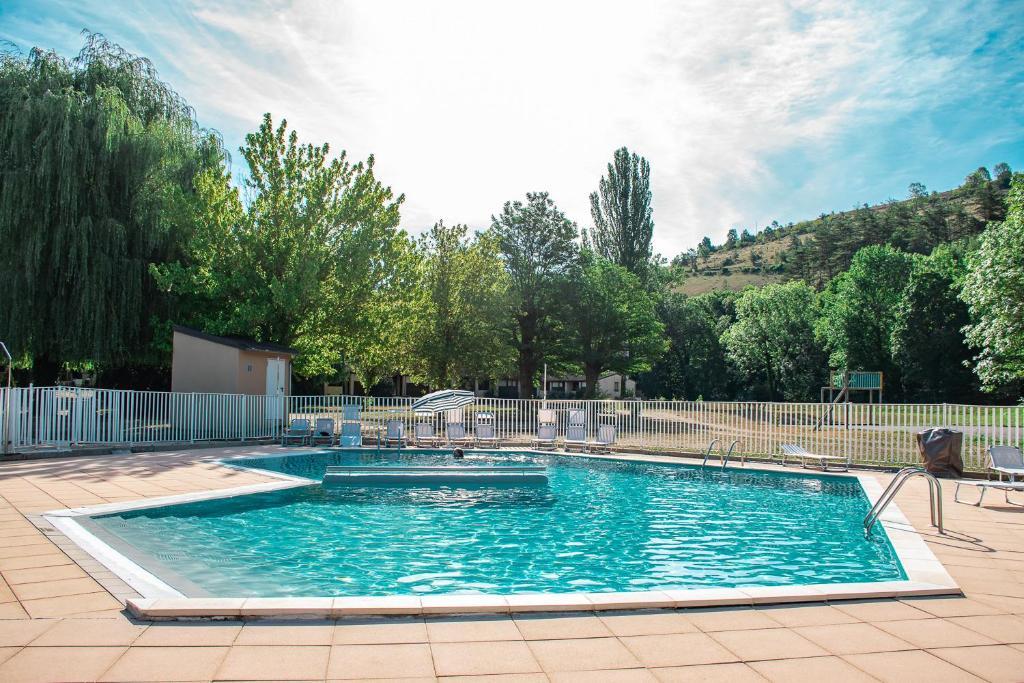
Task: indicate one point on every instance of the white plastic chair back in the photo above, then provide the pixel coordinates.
(299, 425)
(485, 431)
(577, 417)
(456, 430)
(606, 434)
(396, 429)
(546, 416)
(324, 426)
(350, 413)
(424, 430)
(575, 433)
(1005, 456)
(546, 432)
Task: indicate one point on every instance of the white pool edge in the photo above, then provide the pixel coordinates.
(926, 576)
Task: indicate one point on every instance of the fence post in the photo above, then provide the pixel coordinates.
(192, 418)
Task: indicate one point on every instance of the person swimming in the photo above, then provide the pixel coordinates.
(458, 453)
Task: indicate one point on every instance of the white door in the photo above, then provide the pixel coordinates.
(276, 378)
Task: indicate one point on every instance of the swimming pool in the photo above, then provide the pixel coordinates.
(599, 525)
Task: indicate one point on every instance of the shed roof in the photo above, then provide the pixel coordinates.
(237, 342)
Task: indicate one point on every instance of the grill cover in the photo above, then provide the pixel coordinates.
(940, 450)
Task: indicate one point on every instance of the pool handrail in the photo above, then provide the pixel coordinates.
(904, 475)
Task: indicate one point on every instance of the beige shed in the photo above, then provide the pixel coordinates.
(206, 363)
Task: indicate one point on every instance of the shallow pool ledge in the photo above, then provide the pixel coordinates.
(407, 605)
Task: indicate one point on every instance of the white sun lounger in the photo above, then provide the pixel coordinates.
(1006, 460)
(546, 435)
(456, 433)
(486, 436)
(298, 430)
(394, 433)
(792, 450)
(576, 431)
(323, 431)
(983, 485)
(424, 436)
(603, 442)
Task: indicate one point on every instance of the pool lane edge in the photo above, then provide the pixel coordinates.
(926, 576)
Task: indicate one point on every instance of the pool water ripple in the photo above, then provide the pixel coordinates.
(598, 525)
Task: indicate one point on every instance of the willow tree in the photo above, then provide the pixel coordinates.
(621, 209)
(98, 161)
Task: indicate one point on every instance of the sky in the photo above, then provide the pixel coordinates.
(748, 112)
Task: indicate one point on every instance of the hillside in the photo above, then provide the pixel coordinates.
(819, 248)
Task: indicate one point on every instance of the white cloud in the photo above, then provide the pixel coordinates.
(469, 104)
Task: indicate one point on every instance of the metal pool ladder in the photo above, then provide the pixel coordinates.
(725, 457)
(934, 495)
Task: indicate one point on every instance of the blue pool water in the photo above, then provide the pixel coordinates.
(598, 525)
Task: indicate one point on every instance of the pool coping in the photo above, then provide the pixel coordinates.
(926, 576)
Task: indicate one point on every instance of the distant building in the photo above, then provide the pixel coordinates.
(206, 363)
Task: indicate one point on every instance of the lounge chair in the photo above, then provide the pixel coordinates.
(456, 434)
(298, 430)
(423, 435)
(486, 436)
(351, 427)
(576, 431)
(984, 485)
(546, 435)
(1006, 460)
(792, 450)
(394, 432)
(323, 431)
(603, 442)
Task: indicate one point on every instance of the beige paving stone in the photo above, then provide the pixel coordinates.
(496, 678)
(775, 643)
(90, 632)
(474, 659)
(647, 623)
(583, 654)
(952, 607)
(185, 633)
(709, 673)
(49, 559)
(380, 661)
(166, 664)
(880, 610)
(69, 605)
(279, 663)
(608, 676)
(12, 610)
(380, 630)
(58, 664)
(910, 666)
(1002, 628)
(810, 669)
(51, 589)
(807, 615)
(730, 619)
(471, 628)
(270, 633)
(991, 662)
(554, 626)
(19, 632)
(37, 574)
(846, 639)
(677, 649)
(8, 652)
(930, 633)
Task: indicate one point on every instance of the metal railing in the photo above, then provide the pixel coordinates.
(878, 434)
(904, 475)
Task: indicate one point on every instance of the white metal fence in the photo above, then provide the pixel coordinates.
(881, 434)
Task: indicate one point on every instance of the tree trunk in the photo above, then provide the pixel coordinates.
(527, 371)
(592, 373)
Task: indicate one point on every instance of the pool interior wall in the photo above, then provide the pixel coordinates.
(600, 525)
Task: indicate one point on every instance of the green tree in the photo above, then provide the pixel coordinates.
(538, 247)
(695, 364)
(98, 158)
(612, 323)
(928, 342)
(461, 318)
(860, 311)
(772, 341)
(314, 260)
(621, 209)
(994, 292)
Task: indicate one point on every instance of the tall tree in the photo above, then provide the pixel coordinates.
(314, 261)
(860, 310)
(695, 365)
(538, 246)
(994, 290)
(460, 321)
(612, 323)
(98, 161)
(772, 341)
(621, 209)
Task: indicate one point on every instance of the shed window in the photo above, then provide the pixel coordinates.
(248, 368)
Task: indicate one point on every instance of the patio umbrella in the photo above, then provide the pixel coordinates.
(446, 399)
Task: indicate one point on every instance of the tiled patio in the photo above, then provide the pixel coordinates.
(57, 623)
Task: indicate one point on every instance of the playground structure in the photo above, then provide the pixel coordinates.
(841, 384)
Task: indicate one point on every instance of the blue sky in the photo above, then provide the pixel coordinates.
(748, 111)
